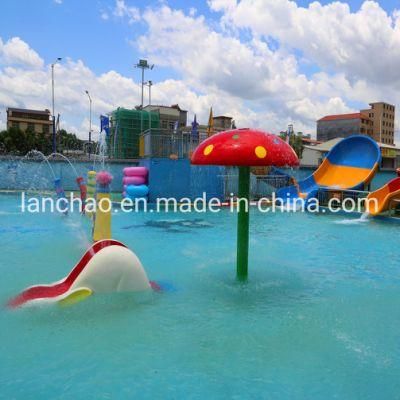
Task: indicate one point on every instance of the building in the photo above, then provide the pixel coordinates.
(314, 155)
(222, 123)
(169, 115)
(344, 125)
(390, 156)
(177, 143)
(307, 141)
(383, 117)
(376, 122)
(35, 121)
(126, 127)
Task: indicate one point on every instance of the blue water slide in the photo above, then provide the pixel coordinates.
(350, 164)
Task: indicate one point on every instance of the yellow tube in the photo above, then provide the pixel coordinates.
(102, 219)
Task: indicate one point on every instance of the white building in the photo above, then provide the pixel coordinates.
(314, 155)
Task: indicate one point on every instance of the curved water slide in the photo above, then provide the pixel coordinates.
(107, 266)
(380, 200)
(350, 165)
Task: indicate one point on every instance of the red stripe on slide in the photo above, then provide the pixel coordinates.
(394, 185)
(43, 292)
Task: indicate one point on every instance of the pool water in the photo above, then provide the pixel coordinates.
(318, 319)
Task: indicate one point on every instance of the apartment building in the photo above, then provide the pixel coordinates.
(343, 125)
(383, 116)
(35, 121)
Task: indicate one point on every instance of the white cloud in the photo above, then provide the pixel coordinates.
(123, 11)
(364, 44)
(249, 74)
(16, 52)
(210, 59)
(104, 15)
(237, 61)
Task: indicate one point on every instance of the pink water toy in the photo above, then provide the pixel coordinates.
(134, 180)
(135, 171)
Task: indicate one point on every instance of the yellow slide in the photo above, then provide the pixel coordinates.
(379, 201)
(342, 176)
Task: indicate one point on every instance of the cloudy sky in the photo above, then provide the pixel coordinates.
(266, 63)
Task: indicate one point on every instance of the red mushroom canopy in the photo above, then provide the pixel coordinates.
(244, 147)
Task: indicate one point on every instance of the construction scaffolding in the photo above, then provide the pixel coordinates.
(125, 129)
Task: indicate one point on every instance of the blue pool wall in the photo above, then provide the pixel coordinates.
(167, 178)
(36, 175)
(180, 179)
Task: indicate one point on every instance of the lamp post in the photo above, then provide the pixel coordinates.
(52, 101)
(90, 122)
(289, 133)
(142, 64)
(149, 84)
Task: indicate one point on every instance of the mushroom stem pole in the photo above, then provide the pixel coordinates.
(243, 224)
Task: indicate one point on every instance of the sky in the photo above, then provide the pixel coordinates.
(266, 63)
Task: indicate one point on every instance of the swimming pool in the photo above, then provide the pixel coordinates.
(319, 317)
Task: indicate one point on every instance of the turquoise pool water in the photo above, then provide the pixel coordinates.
(318, 319)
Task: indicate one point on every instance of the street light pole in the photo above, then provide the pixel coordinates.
(142, 64)
(149, 84)
(52, 101)
(141, 101)
(90, 123)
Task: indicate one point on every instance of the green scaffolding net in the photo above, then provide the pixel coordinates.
(125, 129)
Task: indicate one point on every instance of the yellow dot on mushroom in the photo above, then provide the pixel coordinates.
(208, 149)
(260, 151)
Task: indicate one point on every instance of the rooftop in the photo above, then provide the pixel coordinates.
(27, 110)
(380, 102)
(343, 116)
(325, 146)
(174, 106)
(388, 146)
(222, 117)
(310, 141)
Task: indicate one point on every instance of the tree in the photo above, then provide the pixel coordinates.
(68, 141)
(296, 141)
(15, 141)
